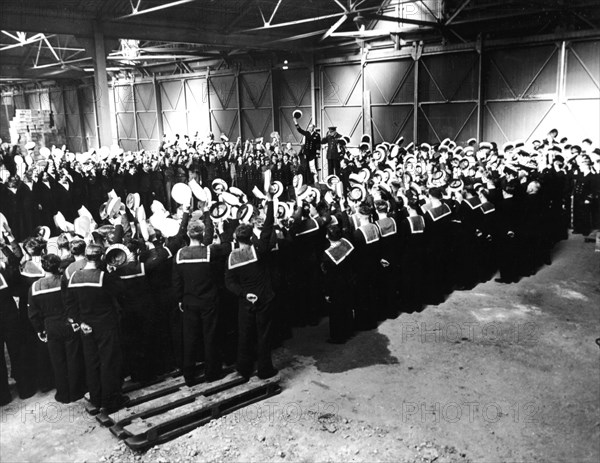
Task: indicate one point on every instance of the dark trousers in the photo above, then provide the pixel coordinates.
(255, 322)
(9, 334)
(307, 294)
(176, 325)
(333, 166)
(103, 363)
(385, 292)
(509, 258)
(341, 318)
(411, 279)
(365, 317)
(227, 326)
(135, 345)
(201, 322)
(66, 356)
(35, 369)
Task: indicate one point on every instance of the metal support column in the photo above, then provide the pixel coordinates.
(562, 74)
(207, 99)
(64, 102)
(135, 121)
(96, 123)
(78, 95)
(314, 94)
(416, 56)
(102, 90)
(239, 101)
(479, 48)
(159, 119)
(366, 99)
(274, 103)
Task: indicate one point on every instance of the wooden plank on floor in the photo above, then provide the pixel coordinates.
(135, 389)
(129, 386)
(139, 392)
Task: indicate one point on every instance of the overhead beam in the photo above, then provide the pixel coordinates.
(244, 10)
(137, 12)
(416, 22)
(274, 11)
(517, 14)
(457, 12)
(49, 21)
(334, 27)
(308, 20)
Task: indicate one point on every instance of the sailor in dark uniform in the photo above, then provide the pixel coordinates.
(508, 236)
(555, 189)
(48, 317)
(366, 241)
(387, 279)
(437, 228)
(90, 305)
(583, 196)
(37, 369)
(77, 250)
(305, 234)
(339, 279)
(488, 226)
(467, 240)
(411, 254)
(248, 277)
(197, 293)
(169, 349)
(10, 329)
(139, 308)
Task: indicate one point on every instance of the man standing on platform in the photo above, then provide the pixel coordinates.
(196, 291)
(312, 146)
(90, 305)
(333, 154)
(248, 277)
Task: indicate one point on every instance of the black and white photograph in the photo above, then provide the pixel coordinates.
(300, 231)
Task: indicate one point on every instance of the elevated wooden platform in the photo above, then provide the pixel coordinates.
(167, 408)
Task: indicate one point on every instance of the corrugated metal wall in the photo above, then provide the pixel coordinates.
(223, 98)
(136, 114)
(525, 91)
(293, 91)
(87, 101)
(391, 86)
(448, 97)
(520, 89)
(225, 104)
(341, 99)
(256, 105)
(127, 134)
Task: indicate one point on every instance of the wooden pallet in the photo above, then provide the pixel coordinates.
(162, 420)
(166, 408)
(161, 397)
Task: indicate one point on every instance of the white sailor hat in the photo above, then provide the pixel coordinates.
(117, 255)
(219, 210)
(219, 185)
(276, 189)
(230, 198)
(181, 194)
(357, 193)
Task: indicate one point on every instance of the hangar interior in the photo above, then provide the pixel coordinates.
(131, 72)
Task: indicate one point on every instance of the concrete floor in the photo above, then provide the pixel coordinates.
(501, 373)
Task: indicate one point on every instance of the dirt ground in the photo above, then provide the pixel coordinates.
(501, 373)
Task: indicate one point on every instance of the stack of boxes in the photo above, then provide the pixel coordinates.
(35, 125)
